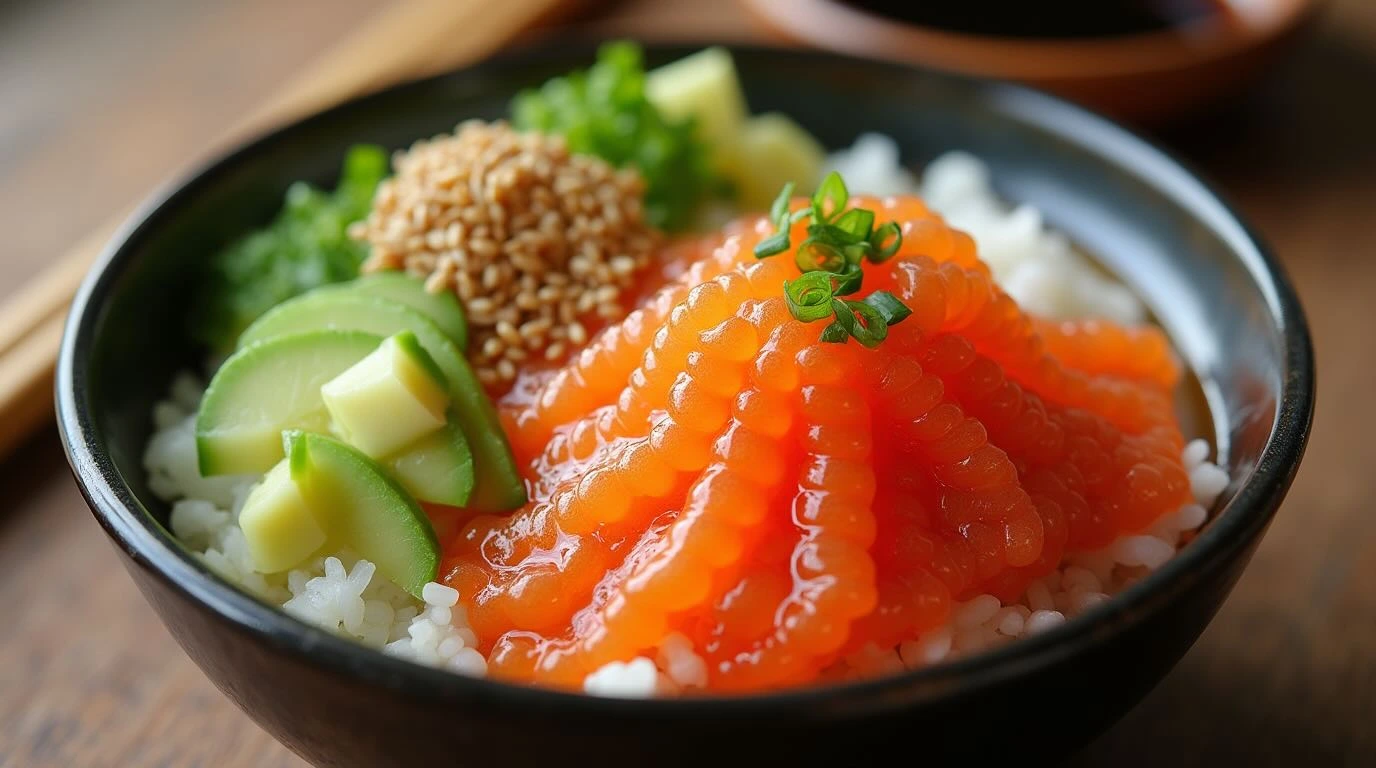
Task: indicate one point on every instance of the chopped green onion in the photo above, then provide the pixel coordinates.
(889, 307)
(830, 235)
(857, 223)
(809, 297)
(848, 280)
(861, 321)
(774, 244)
(832, 190)
(814, 255)
(778, 213)
(838, 241)
(886, 240)
(857, 252)
(835, 333)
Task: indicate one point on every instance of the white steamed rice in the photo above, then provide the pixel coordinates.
(1038, 267)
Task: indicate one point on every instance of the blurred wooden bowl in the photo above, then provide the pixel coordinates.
(1145, 77)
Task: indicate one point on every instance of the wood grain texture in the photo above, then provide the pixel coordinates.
(408, 38)
(1286, 675)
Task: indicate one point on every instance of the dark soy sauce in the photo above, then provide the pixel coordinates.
(1057, 19)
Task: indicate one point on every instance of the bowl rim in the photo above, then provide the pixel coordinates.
(1233, 530)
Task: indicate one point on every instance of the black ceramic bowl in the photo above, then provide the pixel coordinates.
(1220, 293)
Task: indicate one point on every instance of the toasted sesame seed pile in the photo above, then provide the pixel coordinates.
(535, 241)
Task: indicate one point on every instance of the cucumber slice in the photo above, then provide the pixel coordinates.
(437, 468)
(443, 309)
(365, 510)
(264, 389)
(497, 483)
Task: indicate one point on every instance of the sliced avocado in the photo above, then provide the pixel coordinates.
(442, 308)
(365, 510)
(498, 485)
(777, 150)
(266, 388)
(278, 524)
(437, 468)
(389, 399)
(703, 86)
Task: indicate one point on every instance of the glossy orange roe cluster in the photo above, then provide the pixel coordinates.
(709, 467)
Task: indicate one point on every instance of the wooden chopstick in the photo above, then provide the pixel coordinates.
(407, 38)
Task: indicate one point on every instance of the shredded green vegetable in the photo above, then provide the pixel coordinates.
(305, 246)
(603, 111)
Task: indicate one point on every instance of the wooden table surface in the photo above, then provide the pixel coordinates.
(103, 100)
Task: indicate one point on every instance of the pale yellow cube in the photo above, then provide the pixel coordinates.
(776, 150)
(278, 524)
(703, 86)
(389, 399)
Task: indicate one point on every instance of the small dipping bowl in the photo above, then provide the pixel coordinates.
(1222, 296)
(1147, 61)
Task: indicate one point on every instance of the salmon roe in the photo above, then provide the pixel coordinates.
(708, 468)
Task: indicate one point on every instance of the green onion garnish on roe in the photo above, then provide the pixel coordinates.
(838, 241)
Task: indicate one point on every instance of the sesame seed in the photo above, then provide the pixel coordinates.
(479, 306)
(535, 328)
(507, 332)
(492, 277)
(577, 335)
(530, 237)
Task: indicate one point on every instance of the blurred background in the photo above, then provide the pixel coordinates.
(100, 102)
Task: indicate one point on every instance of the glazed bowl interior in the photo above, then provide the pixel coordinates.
(1222, 298)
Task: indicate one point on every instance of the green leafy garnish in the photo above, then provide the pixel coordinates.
(305, 246)
(603, 111)
(830, 259)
